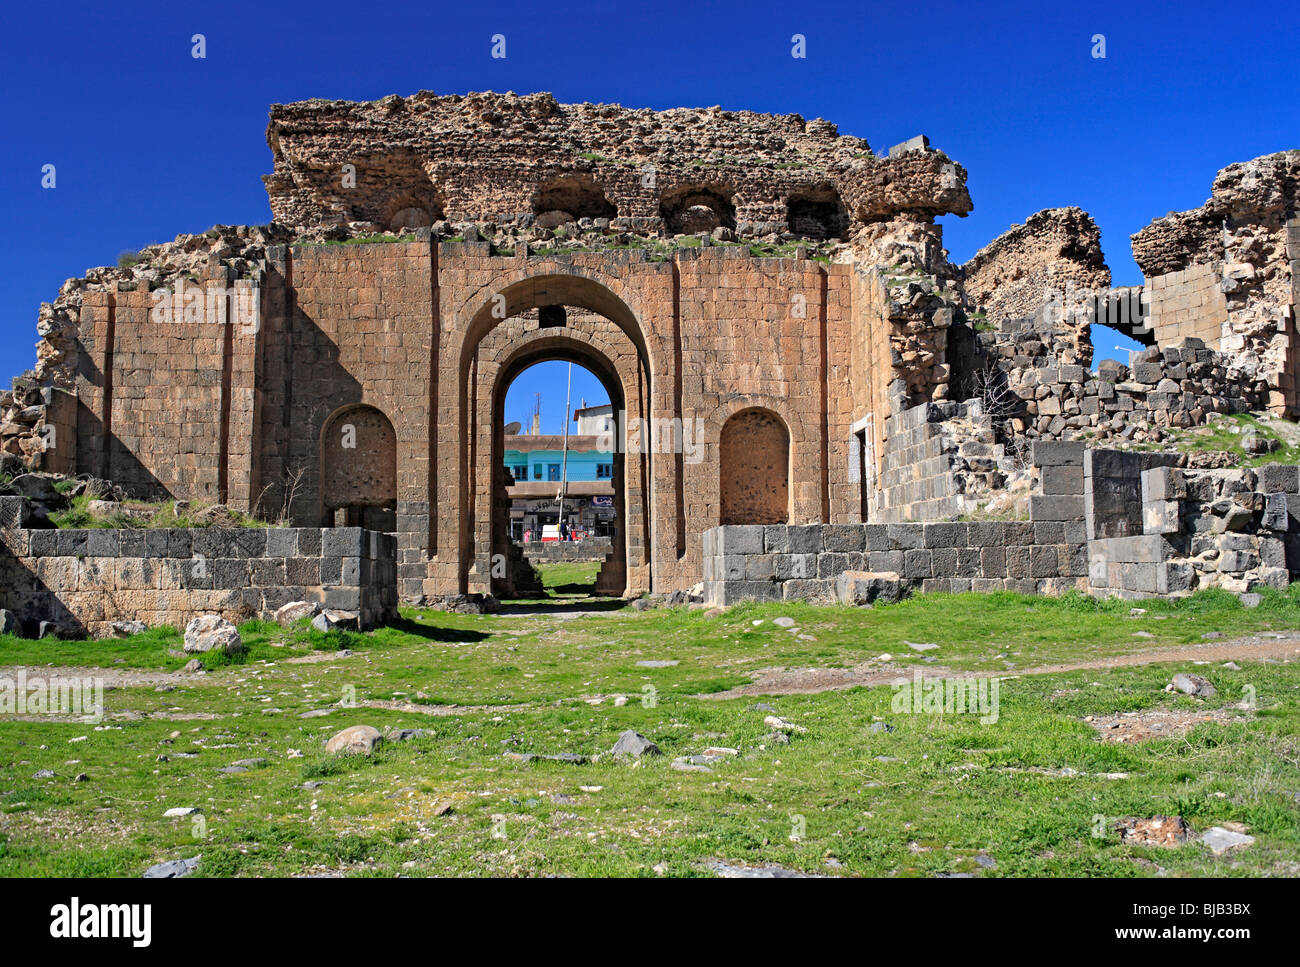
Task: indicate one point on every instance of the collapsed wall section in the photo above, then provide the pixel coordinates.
(1232, 262)
(406, 162)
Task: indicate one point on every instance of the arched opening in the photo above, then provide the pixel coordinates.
(559, 456)
(358, 470)
(817, 213)
(754, 469)
(413, 207)
(408, 218)
(503, 338)
(568, 198)
(690, 209)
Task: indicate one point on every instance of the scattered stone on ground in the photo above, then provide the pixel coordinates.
(1220, 840)
(781, 725)
(1190, 684)
(569, 758)
(1155, 724)
(355, 740)
(332, 619)
(767, 871)
(634, 745)
(1156, 831)
(172, 869)
(287, 614)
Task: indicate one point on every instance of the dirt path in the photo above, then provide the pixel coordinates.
(798, 681)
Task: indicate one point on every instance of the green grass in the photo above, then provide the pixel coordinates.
(1219, 435)
(162, 515)
(483, 685)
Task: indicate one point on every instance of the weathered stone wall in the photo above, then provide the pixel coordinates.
(781, 562)
(754, 469)
(82, 580)
(1103, 521)
(1188, 302)
(509, 158)
(1051, 393)
(1240, 236)
(1230, 529)
(1057, 250)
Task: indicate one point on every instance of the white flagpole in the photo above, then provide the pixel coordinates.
(564, 472)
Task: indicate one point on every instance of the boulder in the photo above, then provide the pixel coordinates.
(125, 629)
(172, 869)
(334, 620)
(295, 610)
(356, 740)
(211, 631)
(864, 589)
(9, 623)
(1196, 685)
(632, 744)
(35, 486)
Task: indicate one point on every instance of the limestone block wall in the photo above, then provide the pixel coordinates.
(85, 579)
(1185, 303)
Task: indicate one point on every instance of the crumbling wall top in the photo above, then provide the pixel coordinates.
(504, 157)
(1056, 250)
(1263, 190)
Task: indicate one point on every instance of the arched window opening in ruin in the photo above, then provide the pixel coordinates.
(691, 209)
(569, 198)
(817, 213)
(411, 210)
(359, 470)
(754, 469)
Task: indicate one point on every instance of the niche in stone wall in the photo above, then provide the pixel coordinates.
(568, 198)
(754, 469)
(412, 209)
(817, 213)
(358, 470)
(689, 209)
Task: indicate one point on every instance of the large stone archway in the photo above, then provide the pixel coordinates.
(618, 354)
(602, 349)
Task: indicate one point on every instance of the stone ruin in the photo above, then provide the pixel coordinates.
(768, 304)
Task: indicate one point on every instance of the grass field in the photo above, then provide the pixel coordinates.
(1034, 792)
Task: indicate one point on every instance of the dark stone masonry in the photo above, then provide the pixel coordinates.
(85, 580)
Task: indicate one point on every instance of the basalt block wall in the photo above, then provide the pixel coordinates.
(1107, 522)
(83, 580)
(1044, 555)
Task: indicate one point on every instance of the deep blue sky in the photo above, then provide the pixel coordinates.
(149, 142)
